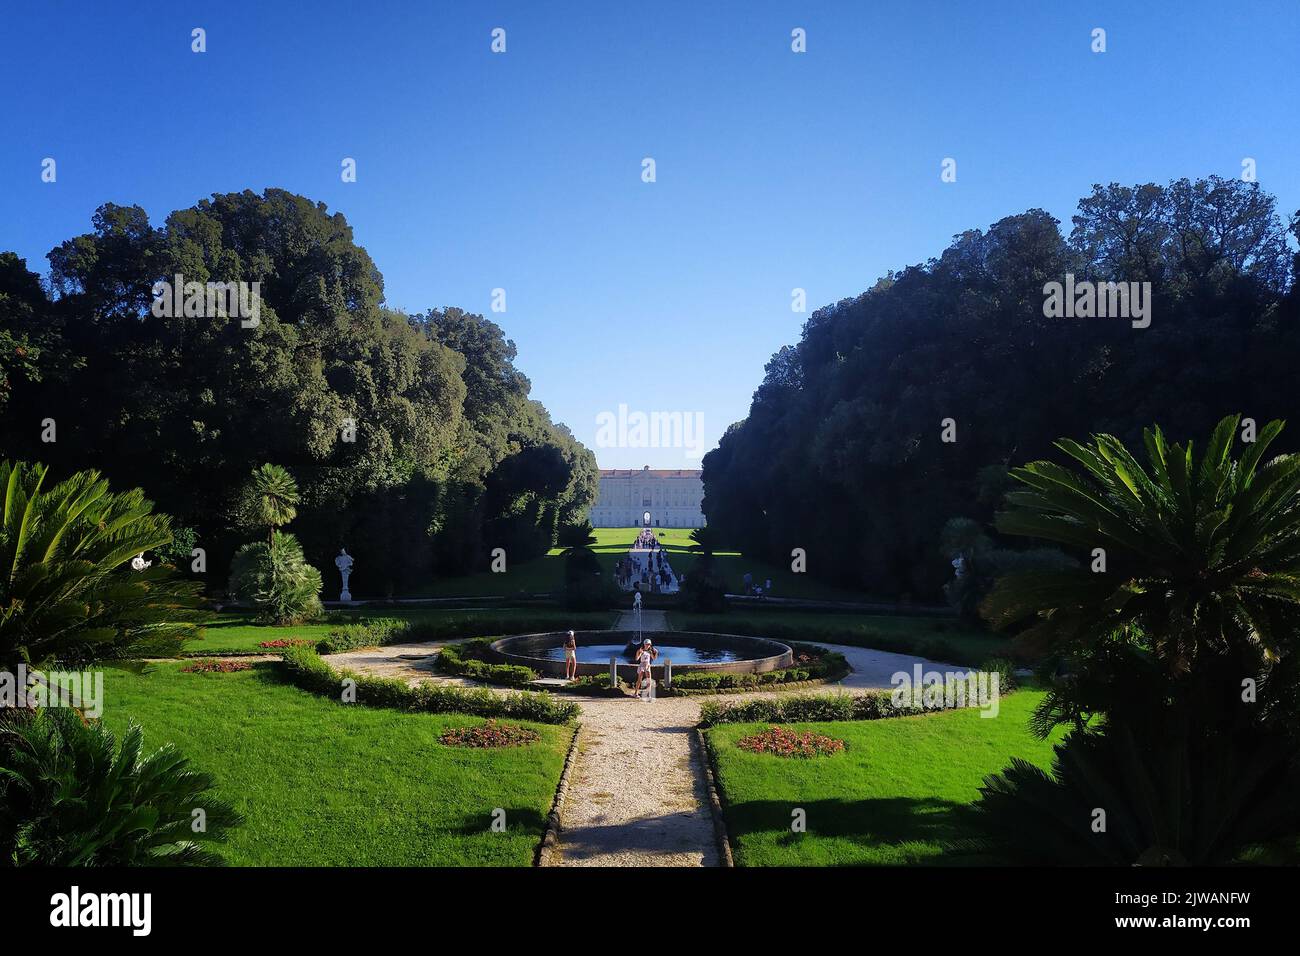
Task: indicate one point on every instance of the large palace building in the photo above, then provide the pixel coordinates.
(652, 498)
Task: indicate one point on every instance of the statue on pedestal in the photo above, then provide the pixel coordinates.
(344, 563)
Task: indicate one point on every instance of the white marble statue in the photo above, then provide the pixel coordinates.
(344, 563)
(138, 563)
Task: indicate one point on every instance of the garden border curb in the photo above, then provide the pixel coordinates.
(715, 803)
(548, 849)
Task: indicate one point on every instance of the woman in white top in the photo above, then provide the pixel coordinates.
(570, 657)
(645, 656)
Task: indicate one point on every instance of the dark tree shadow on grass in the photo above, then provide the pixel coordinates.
(874, 822)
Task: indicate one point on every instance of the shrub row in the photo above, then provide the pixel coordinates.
(815, 664)
(472, 659)
(803, 708)
(708, 680)
(875, 705)
(374, 633)
(306, 669)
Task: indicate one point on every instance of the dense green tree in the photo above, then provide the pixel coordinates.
(843, 451)
(394, 426)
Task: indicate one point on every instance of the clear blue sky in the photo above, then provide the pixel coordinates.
(523, 170)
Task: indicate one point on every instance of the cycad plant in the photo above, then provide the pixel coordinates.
(1189, 562)
(1174, 642)
(69, 796)
(67, 592)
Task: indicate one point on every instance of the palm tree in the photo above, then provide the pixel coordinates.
(275, 496)
(575, 541)
(575, 537)
(705, 542)
(1187, 562)
(66, 592)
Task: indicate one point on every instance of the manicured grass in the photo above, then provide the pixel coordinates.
(237, 632)
(889, 798)
(327, 784)
(943, 639)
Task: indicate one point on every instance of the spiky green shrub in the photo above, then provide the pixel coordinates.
(70, 796)
(1175, 644)
(276, 580)
(67, 591)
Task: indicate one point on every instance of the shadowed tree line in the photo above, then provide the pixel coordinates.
(450, 457)
(841, 453)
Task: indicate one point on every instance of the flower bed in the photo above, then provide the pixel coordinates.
(286, 642)
(210, 666)
(491, 734)
(780, 742)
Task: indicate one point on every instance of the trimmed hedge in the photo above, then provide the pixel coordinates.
(306, 669)
(471, 659)
(804, 708)
(808, 708)
(375, 633)
(825, 665)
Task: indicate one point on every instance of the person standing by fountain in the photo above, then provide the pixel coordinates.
(570, 656)
(645, 656)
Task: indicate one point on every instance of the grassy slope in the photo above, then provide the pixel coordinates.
(325, 784)
(237, 632)
(888, 799)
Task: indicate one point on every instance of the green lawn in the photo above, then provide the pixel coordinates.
(328, 784)
(944, 639)
(237, 632)
(887, 799)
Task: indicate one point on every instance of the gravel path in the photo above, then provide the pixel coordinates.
(637, 796)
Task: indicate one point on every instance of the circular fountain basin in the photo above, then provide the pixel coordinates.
(688, 651)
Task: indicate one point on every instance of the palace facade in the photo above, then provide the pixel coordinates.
(652, 498)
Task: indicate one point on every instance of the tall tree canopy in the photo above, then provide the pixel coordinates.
(400, 430)
(842, 451)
